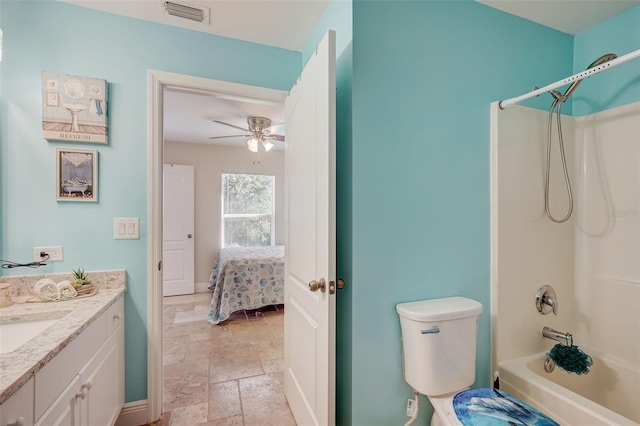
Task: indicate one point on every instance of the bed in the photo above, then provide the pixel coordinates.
(246, 278)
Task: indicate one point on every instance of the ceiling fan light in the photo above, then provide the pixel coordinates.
(252, 144)
(267, 145)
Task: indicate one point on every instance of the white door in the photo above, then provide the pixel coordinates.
(177, 230)
(309, 317)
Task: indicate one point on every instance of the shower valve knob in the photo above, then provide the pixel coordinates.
(546, 300)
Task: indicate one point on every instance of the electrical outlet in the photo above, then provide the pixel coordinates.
(55, 254)
(411, 407)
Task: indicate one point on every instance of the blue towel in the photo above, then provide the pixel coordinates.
(492, 407)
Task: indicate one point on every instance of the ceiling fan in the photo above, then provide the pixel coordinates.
(258, 132)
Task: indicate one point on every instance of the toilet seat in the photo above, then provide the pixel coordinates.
(486, 407)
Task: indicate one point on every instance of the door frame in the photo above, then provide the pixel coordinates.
(157, 82)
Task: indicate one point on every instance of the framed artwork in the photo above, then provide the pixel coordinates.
(74, 109)
(76, 175)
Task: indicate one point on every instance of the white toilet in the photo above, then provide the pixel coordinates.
(439, 347)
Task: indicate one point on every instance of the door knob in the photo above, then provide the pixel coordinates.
(315, 285)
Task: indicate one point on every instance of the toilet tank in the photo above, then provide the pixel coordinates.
(439, 343)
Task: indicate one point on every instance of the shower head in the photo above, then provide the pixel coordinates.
(601, 60)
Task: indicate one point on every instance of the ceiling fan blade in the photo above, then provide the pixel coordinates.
(230, 125)
(276, 137)
(230, 136)
(275, 128)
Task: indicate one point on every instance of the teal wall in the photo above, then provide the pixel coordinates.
(619, 85)
(1, 127)
(337, 17)
(424, 75)
(58, 37)
(344, 240)
(414, 83)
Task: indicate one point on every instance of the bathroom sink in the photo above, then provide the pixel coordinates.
(14, 334)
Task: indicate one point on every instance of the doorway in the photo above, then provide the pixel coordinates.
(158, 82)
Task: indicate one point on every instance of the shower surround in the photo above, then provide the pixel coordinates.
(591, 260)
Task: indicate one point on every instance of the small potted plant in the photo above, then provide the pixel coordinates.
(81, 282)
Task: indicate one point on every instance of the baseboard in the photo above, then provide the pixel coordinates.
(201, 287)
(133, 414)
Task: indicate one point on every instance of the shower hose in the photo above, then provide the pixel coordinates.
(557, 102)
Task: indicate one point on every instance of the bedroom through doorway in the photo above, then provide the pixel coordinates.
(229, 372)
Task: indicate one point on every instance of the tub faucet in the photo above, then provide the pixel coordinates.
(564, 338)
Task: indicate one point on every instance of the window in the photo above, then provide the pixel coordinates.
(247, 210)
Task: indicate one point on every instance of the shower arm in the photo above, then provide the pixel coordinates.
(579, 76)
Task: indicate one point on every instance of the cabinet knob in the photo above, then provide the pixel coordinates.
(117, 316)
(88, 385)
(19, 422)
(82, 394)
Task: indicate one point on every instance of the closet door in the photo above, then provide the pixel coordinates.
(177, 231)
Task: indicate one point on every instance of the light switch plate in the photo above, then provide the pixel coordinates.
(126, 228)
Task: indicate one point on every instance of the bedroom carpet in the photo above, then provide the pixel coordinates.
(228, 374)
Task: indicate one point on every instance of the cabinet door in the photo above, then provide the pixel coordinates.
(65, 411)
(55, 376)
(102, 377)
(19, 405)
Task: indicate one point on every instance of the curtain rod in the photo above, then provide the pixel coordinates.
(579, 76)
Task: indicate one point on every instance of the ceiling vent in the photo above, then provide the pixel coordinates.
(187, 11)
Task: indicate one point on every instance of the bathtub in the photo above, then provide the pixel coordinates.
(607, 395)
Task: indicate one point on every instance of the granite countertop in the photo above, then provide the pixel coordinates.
(17, 367)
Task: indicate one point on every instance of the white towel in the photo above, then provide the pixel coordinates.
(66, 290)
(46, 289)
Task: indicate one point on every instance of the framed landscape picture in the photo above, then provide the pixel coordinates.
(76, 175)
(74, 108)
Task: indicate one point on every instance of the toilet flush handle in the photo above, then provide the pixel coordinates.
(432, 330)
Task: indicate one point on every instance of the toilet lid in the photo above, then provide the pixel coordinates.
(492, 407)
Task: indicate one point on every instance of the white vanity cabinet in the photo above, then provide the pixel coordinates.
(83, 385)
(103, 381)
(18, 409)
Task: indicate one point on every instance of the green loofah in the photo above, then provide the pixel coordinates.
(570, 359)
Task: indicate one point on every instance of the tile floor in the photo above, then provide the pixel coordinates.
(229, 374)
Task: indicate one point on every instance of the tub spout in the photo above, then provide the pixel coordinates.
(564, 338)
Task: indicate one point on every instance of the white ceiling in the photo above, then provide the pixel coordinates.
(568, 16)
(288, 24)
(188, 118)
